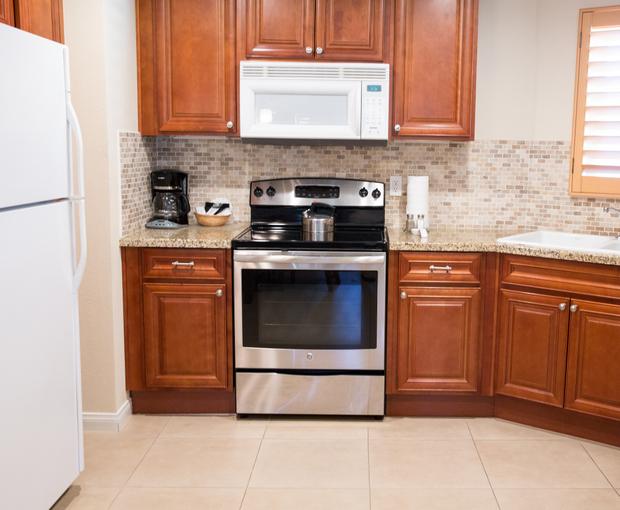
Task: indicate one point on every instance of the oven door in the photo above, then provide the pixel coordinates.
(309, 310)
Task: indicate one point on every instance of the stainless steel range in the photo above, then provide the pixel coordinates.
(309, 286)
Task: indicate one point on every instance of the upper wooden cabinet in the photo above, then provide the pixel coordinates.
(39, 17)
(6, 12)
(434, 69)
(186, 67)
(350, 30)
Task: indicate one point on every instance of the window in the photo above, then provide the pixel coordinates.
(595, 162)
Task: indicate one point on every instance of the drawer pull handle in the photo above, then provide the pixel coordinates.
(445, 268)
(574, 308)
(218, 292)
(562, 307)
(403, 295)
(176, 263)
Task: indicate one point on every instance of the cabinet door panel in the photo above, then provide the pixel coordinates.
(532, 347)
(195, 65)
(350, 29)
(593, 370)
(6, 12)
(40, 17)
(279, 28)
(434, 68)
(185, 336)
(438, 340)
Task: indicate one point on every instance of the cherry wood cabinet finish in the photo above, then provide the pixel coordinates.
(185, 335)
(40, 17)
(438, 340)
(6, 12)
(187, 71)
(593, 370)
(158, 263)
(190, 401)
(435, 45)
(560, 275)
(279, 29)
(345, 30)
(416, 267)
(532, 346)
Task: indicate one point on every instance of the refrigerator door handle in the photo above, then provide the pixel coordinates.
(79, 272)
(75, 127)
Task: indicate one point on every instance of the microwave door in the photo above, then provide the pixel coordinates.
(296, 109)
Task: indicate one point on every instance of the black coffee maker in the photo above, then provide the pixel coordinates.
(170, 202)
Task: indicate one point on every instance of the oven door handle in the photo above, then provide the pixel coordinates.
(278, 257)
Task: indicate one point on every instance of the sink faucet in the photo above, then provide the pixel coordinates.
(612, 210)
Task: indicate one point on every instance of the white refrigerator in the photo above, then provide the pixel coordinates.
(41, 448)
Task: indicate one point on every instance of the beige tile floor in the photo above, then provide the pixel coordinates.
(221, 463)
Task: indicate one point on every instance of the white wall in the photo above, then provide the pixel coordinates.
(101, 38)
(527, 50)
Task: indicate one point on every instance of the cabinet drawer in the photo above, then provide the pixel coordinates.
(184, 263)
(432, 267)
(561, 275)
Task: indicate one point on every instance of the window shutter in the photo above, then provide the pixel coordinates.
(595, 169)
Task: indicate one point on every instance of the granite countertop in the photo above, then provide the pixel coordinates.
(197, 236)
(486, 241)
(192, 236)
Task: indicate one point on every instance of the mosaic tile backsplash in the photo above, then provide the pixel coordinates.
(472, 185)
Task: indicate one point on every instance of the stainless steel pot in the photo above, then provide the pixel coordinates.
(317, 223)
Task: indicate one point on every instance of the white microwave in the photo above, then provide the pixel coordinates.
(314, 101)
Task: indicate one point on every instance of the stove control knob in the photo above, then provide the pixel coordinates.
(363, 193)
(258, 192)
(376, 193)
(271, 191)
(309, 356)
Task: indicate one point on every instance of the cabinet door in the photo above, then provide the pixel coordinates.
(40, 17)
(350, 29)
(438, 340)
(185, 335)
(6, 12)
(435, 68)
(532, 346)
(194, 65)
(280, 29)
(593, 369)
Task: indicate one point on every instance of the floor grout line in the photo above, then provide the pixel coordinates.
(596, 464)
(245, 492)
(482, 463)
(368, 449)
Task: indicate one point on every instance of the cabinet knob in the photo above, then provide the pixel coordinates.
(308, 50)
(574, 308)
(218, 292)
(229, 124)
(319, 50)
(403, 295)
(397, 127)
(562, 306)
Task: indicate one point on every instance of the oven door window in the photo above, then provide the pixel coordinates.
(297, 309)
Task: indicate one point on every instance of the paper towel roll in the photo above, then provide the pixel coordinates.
(417, 197)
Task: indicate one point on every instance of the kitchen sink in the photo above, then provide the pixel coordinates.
(564, 241)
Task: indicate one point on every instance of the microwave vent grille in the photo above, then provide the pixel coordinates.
(313, 72)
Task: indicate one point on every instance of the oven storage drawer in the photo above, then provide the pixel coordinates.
(274, 393)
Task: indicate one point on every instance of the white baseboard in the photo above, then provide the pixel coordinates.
(107, 422)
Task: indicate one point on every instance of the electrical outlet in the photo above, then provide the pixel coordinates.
(396, 185)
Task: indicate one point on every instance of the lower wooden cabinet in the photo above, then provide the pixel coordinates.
(593, 370)
(532, 346)
(438, 339)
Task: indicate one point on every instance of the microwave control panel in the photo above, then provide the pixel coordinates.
(375, 103)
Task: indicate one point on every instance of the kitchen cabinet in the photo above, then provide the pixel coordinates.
(556, 346)
(6, 12)
(178, 329)
(439, 307)
(346, 30)
(434, 63)
(186, 67)
(39, 17)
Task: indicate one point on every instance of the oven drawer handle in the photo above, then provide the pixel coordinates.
(445, 268)
(176, 263)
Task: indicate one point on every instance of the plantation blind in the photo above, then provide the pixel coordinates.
(595, 162)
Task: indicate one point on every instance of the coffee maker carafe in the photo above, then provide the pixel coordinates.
(170, 202)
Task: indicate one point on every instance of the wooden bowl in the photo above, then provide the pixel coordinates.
(211, 220)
